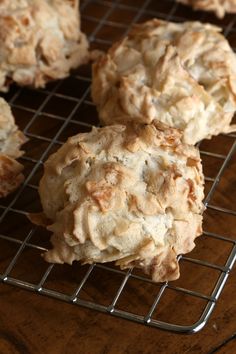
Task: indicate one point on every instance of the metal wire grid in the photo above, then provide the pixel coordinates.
(62, 106)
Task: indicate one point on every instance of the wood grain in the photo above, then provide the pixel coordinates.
(34, 324)
(31, 323)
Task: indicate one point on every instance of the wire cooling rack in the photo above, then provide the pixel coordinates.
(48, 117)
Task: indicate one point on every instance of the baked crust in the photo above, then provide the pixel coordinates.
(130, 194)
(219, 7)
(40, 40)
(180, 74)
(11, 139)
(10, 175)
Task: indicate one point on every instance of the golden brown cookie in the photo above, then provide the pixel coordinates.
(182, 74)
(40, 40)
(11, 139)
(220, 7)
(127, 194)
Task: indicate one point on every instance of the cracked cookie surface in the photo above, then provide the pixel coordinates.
(130, 194)
(40, 40)
(183, 75)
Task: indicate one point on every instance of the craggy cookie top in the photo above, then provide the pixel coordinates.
(11, 139)
(130, 194)
(39, 40)
(220, 7)
(180, 74)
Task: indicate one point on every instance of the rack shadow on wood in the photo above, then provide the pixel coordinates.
(48, 117)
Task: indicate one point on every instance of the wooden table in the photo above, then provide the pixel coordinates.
(35, 324)
(30, 323)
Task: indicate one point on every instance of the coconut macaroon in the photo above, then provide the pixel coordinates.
(40, 40)
(127, 194)
(180, 74)
(11, 139)
(220, 7)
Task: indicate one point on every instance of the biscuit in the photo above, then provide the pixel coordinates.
(40, 40)
(11, 139)
(219, 7)
(180, 74)
(132, 195)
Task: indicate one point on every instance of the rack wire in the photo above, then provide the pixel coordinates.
(48, 117)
